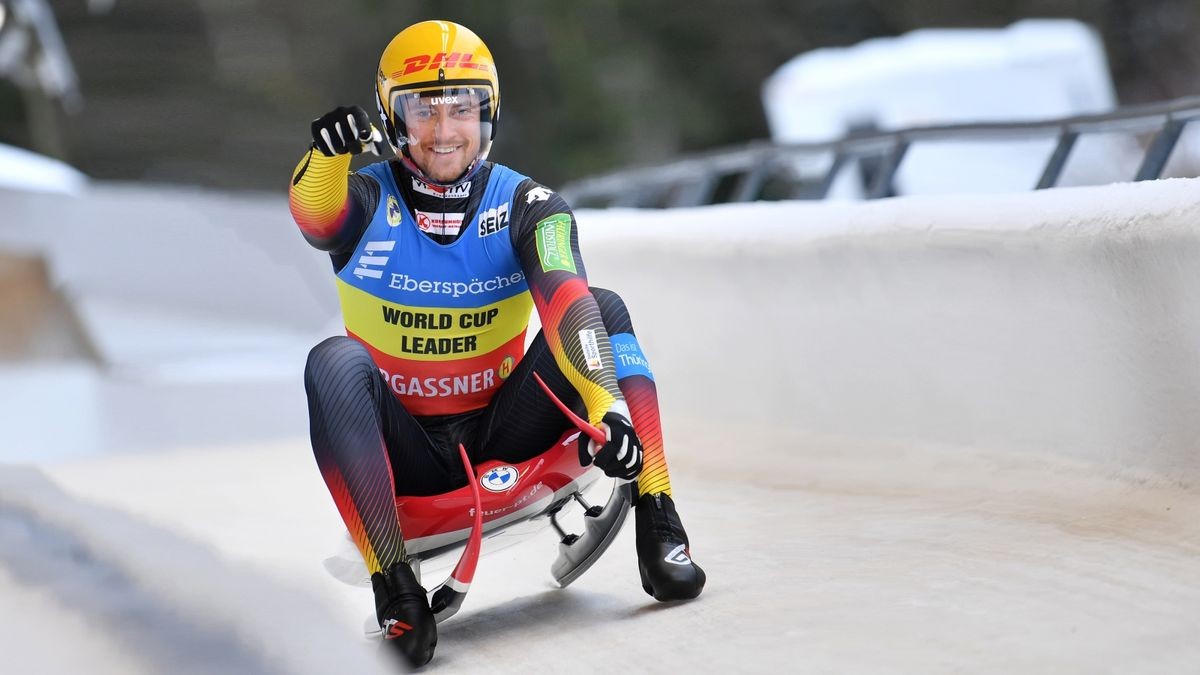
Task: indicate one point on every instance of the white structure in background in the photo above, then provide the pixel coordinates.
(34, 58)
(32, 52)
(22, 169)
(1032, 70)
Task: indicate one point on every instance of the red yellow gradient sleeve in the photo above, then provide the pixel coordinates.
(569, 311)
(547, 243)
(319, 195)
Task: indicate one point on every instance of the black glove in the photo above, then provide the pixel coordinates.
(345, 130)
(621, 454)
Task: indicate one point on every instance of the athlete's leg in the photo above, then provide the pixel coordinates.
(521, 422)
(637, 386)
(367, 447)
(664, 557)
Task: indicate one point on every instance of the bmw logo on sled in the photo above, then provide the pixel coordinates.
(499, 479)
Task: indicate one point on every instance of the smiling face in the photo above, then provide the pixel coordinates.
(444, 130)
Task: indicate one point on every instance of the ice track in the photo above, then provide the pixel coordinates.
(920, 435)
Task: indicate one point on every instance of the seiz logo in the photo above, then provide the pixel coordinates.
(369, 260)
(493, 220)
(416, 64)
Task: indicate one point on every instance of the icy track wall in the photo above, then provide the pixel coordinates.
(1064, 321)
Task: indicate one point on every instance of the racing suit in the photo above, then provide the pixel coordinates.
(437, 285)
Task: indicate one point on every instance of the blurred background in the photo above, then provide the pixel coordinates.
(219, 93)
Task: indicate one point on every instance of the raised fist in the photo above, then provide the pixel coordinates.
(345, 130)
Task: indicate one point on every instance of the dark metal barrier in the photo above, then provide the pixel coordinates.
(741, 173)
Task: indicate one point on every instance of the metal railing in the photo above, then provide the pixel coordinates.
(741, 173)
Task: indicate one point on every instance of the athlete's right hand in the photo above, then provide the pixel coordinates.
(621, 454)
(345, 130)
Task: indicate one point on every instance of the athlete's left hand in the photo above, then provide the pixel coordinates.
(621, 454)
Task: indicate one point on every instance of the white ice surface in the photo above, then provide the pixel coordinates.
(34, 625)
(821, 557)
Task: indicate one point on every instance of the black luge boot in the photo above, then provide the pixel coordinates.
(402, 608)
(664, 559)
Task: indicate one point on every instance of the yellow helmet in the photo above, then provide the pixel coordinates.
(433, 59)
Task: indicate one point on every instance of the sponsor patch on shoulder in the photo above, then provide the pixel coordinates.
(553, 236)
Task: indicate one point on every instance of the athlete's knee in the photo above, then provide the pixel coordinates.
(613, 312)
(628, 353)
(334, 356)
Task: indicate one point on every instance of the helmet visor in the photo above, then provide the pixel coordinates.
(425, 113)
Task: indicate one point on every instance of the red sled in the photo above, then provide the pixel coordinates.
(500, 496)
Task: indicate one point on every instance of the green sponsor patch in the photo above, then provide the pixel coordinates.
(554, 243)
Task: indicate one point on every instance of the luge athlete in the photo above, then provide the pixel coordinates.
(440, 256)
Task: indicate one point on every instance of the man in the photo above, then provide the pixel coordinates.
(440, 257)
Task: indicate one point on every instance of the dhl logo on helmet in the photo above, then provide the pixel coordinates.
(415, 64)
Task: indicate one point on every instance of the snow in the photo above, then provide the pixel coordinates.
(928, 434)
(1035, 69)
(21, 169)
